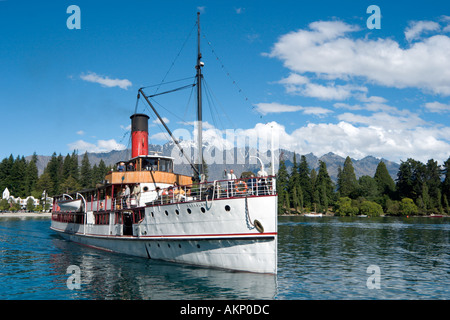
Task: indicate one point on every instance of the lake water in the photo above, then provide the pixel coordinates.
(318, 258)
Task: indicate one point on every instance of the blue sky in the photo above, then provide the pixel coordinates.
(312, 70)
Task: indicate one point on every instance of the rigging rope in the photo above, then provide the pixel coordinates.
(227, 72)
(173, 63)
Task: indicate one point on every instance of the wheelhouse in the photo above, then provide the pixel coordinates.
(147, 169)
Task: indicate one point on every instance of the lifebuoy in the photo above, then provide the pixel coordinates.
(244, 189)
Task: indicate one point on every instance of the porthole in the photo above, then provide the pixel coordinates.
(145, 189)
(177, 212)
(227, 208)
(153, 215)
(168, 245)
(198, 246)
(179, 246)
(202, 210)
(158, 245)
(189, 210)
(167, 213)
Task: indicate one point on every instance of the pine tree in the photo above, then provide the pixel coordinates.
(282, 186)
(103, 170)
(287, 204)
(445, 186)
(347, 180)
(17, 177)
(368, 188)
(5, 173)
(45, 183)
(410, 178)
(54, 169)
(70, 185)
(75, 170)
(295, 201)
(294, 182)
(67, 167)
(324, 198)
(325, 185)
(433, 181)
(85, 172)
(385, 183)
(404, 184)
(31, 176)
(96, 176)
(300, 198)
(315, 200)
(305, 181)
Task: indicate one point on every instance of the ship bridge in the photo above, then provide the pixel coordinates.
(153, 168)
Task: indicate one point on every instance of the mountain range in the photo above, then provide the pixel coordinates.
(365, 166)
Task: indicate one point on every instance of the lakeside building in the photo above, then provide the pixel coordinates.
(23, 202)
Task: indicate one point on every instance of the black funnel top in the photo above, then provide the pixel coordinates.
(139, 122)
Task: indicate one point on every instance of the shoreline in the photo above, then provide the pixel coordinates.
(25, 214)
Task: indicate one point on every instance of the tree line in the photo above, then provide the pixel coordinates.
(419, 189)
(61, 175)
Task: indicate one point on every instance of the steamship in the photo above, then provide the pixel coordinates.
(145, 209)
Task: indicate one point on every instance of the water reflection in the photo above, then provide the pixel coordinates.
(325, 258)
(112, 276)
(328, 258)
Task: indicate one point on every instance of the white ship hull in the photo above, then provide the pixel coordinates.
(221, 233)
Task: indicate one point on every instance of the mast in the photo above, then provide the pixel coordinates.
(199, 66)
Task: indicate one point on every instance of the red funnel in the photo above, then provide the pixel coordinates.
(139, 135)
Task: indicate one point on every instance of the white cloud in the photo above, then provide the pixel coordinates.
(317, 111)
(331, 92)
(274, 107)
(437, 107)
(100, 146)
(347, 139)
(327, 50)
(160, 136)
(301, 85)
(330, 61)
(157, 121)
(384, 120)
(265, 108)
(106, 81)
(381, 135)
(80, 132)
(416, 28)
(394, 137)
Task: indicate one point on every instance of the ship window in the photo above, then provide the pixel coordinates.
(227, 208)
(150, 164)
(203, 209)
(189, 210)
(165, 165)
